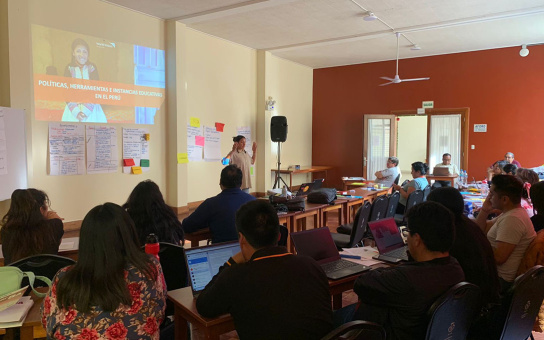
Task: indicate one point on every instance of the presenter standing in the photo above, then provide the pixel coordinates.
(239, 157)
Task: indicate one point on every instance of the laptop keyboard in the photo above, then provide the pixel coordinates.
(399, 253)
(337, 265)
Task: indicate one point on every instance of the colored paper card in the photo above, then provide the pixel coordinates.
(251, 170)
(195, 122)
(128, 162)
(219, 127)
(144, 163)
(137, 170)
(183, 158)
(199, 140)
(146, 136)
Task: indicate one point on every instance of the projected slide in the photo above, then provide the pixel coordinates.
(79, 78)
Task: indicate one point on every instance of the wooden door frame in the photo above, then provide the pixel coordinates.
(392, 138)
(465, 114)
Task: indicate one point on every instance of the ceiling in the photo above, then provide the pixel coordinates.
(325, 33)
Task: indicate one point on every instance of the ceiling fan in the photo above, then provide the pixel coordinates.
(397, 79)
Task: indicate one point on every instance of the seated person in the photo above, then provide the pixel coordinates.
(419, 182)
(537, 198)
(270, 293)
(496, 169)
(511, 232)
(399, 297)
(29, 227)
(151, 214)
(509, 158)
(217, 213)
(452, 168)
(510, 169)
(529, 178)
(387, 177)
(471, 247)
(114, 291)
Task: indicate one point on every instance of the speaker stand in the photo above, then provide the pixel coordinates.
(278, 174)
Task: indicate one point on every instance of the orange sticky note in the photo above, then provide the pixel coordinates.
(219, 127)
(199, 140)
(146, 136)
(137, 170)
(129, 162)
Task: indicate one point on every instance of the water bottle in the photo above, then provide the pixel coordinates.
(485, 188)
(152, 246)
(284, 191)
(465, 176)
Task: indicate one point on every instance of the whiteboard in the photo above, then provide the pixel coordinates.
(14, 128)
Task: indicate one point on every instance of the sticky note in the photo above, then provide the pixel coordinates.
(251, 170)
(199, 140)
(183, 158)
(195, 122)
(128, 162)
(137, 170)
(219, 127)
(146, 136)
(144, 163)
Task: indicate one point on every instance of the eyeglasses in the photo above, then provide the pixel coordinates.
(406, 232)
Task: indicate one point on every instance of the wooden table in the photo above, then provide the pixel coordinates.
(69, 247)
(197, 236)
(312, 209)
(304, 170)
(450, 178)
(33, 319)
(348, 183)
(354, 202)
(287, 220)
(340, 204)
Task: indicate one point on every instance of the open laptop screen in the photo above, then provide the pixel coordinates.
(386, 234)
(204, 262)
(317, 244)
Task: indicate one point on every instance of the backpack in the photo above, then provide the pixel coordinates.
(293, 204)
(322, 196)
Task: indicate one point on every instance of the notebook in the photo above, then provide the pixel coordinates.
(305, 189)
(204, 262)
(388, 240)
(319, 245)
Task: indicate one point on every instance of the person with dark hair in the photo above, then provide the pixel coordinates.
(239, 157)
(399, 297)
(537, 198)
(151, 214)
(419, 182)
(29, 227)
(496, 169)
(387, 177)
(471, 247)
(81, 68)
(510, 169)
(270, 293)
(217, 213)
(114, 291)
(528, 177)
(511, 232)
(452, 169)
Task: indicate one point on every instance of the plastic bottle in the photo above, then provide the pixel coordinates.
(284, 191)
(465, 177)
(484, 188)
(152, 246)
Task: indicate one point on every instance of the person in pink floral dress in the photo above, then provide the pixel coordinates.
(114, 291)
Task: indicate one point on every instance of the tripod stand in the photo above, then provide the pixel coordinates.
(278, 174)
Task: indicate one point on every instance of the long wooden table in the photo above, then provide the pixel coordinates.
(450, 178)
(304, 170)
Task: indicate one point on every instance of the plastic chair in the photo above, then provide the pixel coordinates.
(357, 330)
(525, 298)
(392, 204)
(452, 314)
(357, 233)
(426, 192)
(414, 198)
(44, 265)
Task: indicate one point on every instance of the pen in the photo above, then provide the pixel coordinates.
(356, 257)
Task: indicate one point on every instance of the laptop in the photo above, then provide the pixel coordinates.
(305, 189)
(318, 183)
(441, 171)
(319, 245)
(388, 240)
(204, 262)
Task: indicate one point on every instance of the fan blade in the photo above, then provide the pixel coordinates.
(387, 83)
(387, 78)
(416, 79)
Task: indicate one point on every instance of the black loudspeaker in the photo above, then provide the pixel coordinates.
(278, 129)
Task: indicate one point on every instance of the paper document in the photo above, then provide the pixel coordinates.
(66, 149)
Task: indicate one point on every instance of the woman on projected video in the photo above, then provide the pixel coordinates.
(80, 67)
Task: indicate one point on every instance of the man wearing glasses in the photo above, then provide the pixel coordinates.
(452, 169)
(388, 176)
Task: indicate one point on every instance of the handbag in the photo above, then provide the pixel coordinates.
(10, 282)
(322, 196)
(293, 204)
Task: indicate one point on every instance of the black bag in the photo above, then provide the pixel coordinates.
(322, 196)
(293, 204)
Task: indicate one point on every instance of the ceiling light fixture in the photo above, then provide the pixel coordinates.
(415, 47)
(369, 16)
(524, 51)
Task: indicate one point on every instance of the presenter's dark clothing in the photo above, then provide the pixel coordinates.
(218, 214)
(399, 297)
(50, 230)
(276, 295)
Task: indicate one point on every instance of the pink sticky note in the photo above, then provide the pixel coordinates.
(219, 127)
(199, 140)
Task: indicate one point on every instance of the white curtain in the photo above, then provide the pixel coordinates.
(445, 138)
(379, 133)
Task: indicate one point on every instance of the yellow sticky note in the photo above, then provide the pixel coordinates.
(195, 122)
(146, 136)
(183, 158)
(137, 170)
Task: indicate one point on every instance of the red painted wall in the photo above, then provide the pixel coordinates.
(502, 90)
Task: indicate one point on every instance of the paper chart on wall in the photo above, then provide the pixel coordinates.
(246, 132)
(3, 147)
(66, 149)
(212, 144)
(135, 147)
(102, 151)
(194, 152)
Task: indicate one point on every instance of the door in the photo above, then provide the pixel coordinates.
(445, 137)
(379, 133)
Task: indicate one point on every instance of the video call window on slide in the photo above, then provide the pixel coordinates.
(80, 78)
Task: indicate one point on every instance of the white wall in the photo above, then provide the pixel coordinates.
(411, 142)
